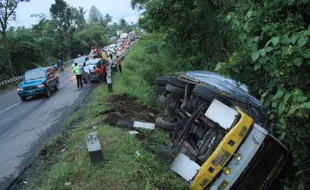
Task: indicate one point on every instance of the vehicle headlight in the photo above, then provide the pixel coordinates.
(20, 89)
(226, 170)
(238, 156)
(41, 85)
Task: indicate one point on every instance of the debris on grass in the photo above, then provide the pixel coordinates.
(138, 153)
(67, 183)
(144, 125)
(133, 132)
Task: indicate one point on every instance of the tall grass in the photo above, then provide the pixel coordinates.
(144, 63)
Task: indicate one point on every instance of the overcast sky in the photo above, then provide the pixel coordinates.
(116, 8)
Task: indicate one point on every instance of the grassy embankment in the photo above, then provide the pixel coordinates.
(123, 168)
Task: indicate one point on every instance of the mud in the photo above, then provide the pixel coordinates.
(128, 108)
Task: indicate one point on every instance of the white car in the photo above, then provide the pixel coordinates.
(79, 61)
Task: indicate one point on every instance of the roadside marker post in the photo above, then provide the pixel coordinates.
(94, 147)
(109, 77)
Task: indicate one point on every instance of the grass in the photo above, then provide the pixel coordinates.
(122, 167)
(10, 86)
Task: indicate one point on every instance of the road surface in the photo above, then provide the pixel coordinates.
(24, 126)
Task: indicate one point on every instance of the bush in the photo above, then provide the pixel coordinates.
(274, 62)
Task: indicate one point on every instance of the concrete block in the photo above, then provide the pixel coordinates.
(94, 148)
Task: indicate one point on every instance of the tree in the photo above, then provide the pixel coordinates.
(80, 19)
(122, 23)
(95, 16)
(107, 18)
(7, 12)
(94, 35)
(62, 13)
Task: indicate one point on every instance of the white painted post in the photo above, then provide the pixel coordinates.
(94, 148)
(109, 76)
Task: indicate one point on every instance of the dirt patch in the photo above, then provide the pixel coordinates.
(126, 107)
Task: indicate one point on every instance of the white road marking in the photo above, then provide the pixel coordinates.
(12, 106)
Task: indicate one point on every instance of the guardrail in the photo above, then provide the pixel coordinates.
(11, 80)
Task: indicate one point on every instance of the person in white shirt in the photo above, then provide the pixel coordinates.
(86, 73)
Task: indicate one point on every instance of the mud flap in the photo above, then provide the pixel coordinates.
(185, 167)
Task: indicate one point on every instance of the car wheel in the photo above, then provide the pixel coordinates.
(165, 125)
(57, 86)
(23, 98)
(162, 101)
(176, 90)
(164, 153)
(47, 92)
(161, 89)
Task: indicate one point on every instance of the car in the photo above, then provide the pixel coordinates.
(98, 63)
(219, 132)
(38, 81)
(79, 61)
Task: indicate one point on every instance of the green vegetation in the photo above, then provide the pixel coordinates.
(264, 44)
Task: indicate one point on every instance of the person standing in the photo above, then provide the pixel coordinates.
(104, 55)
(60, 65)
(103, 71)
(78, 74)
(119, 64)
(86, 73)
(99, 74)
(118, 53)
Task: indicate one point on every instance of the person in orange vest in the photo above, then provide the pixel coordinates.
(99, 73)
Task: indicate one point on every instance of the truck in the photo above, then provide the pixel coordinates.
(219, 132)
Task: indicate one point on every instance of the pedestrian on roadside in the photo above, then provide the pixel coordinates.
(104, 55)
(86, 73)
(99, 73)
(60, 64)
(113, 65)
(78, 74)
(119, 64)
(103, 71)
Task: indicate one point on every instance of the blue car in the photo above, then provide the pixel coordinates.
(38, 81)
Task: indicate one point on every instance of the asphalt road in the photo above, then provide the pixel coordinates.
(25, 126)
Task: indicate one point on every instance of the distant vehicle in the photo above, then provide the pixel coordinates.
(132, 34)
(90, 64)
(132, 39)
(119, 32)
(38, 81)
(79, 61)
(113, 38)
(124, 36)
(119, 46)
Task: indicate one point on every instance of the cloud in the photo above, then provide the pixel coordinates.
(116, 8)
